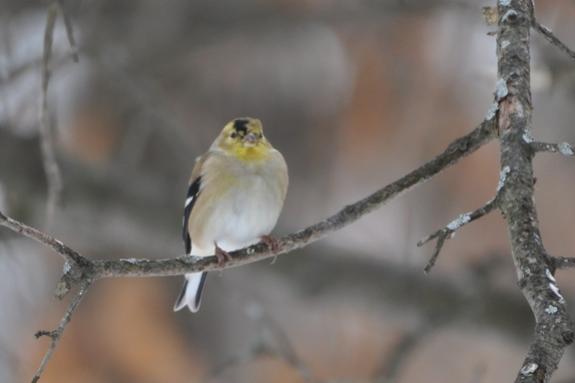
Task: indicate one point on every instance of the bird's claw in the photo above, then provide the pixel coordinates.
(271, 242)
(222, 256)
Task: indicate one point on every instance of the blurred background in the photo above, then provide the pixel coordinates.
(354, 94)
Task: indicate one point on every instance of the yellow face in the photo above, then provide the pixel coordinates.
(244, 138)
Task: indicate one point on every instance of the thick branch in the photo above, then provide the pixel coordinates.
(553, 331)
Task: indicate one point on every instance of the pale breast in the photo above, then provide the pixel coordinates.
(246, 210)
(249, 214)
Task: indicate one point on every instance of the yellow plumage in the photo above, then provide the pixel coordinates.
(236, 193)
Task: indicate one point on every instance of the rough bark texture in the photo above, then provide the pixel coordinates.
(553, 329)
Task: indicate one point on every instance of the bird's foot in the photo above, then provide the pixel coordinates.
(222, 255)
(271, 242)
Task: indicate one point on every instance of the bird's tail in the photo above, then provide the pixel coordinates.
(191, 294)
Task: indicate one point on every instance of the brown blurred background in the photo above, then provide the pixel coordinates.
(355, 94)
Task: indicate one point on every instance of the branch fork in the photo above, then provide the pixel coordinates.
(448, 231)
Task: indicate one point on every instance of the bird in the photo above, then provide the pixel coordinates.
(235, 195)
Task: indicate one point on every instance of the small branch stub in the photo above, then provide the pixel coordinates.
(563, 148)
(563, 262)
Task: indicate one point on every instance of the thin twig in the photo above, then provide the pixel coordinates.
(69, 30)
(57, 333)
(449, 230)
(33, 64)
(549, 36)
(66, 252)
(564, 148)
(51, 168)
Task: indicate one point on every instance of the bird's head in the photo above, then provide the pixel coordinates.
(244, 138)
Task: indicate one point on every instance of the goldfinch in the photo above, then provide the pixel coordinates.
(235, 196)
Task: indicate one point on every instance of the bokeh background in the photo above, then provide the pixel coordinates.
(355, 94)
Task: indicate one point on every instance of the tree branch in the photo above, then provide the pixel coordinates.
(83, 271)
(51, 168)
(69, 30)
(563, 262)
(69, 254)
(549, 36)
(56, 334)
(349, 214)
(553, 330)
(449, 230)
(563, 148)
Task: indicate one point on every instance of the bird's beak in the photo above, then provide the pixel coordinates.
(251, 138)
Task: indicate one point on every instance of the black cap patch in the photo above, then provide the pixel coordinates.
(240, 126)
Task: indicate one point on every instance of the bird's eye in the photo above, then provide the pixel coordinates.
(233, 135)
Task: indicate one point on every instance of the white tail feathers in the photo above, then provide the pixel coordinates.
(191, 294)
